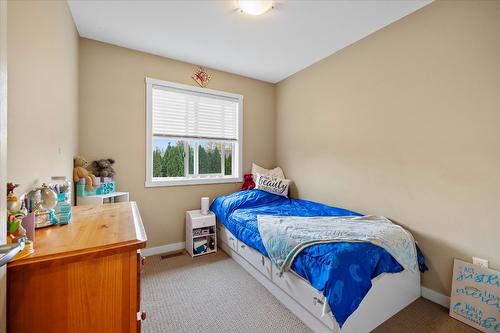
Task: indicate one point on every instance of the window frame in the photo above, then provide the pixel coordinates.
(180, 181)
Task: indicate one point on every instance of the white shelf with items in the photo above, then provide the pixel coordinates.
(100, 199)
(201, 237)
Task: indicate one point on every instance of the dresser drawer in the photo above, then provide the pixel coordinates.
(300, 290)
(255, 258)
(227, 237)
(141, 315)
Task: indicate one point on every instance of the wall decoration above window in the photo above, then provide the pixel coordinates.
(202, 77)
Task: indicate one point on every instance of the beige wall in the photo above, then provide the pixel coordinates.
(404, 123)
(43, 91)
(113, 124)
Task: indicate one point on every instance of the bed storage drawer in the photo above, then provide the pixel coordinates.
(227, 237)
(300, 290)
(255, 258)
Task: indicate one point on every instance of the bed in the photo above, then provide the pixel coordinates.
(332, 286)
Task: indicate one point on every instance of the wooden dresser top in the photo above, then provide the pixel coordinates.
(94, 230)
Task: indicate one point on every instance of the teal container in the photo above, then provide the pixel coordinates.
(81, 192)
(106, 188)
(63, 210)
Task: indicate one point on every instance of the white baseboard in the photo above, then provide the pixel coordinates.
(151, 251)
(435, 297)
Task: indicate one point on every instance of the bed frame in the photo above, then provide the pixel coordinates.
(389, 294)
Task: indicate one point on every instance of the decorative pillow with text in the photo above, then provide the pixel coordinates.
(276, 172)
(273, 185)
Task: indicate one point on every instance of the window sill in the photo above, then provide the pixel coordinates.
(192, 181)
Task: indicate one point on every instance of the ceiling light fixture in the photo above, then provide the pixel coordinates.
(255, 7)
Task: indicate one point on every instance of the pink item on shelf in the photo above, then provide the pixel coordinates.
(28, 224)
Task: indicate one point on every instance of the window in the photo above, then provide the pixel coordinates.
(194, 135)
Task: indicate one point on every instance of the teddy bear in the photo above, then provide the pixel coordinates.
(80, 171)
(248, 182)
(103, 167)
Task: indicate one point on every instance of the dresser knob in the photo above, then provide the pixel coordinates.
(143, 260)
(141, 315)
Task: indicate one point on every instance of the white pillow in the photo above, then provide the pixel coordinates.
(258, 170)
(273, 185)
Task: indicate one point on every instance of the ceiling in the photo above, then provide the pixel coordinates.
(215, 34)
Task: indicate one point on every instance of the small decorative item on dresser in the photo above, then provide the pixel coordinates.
(41, 201)
(201, 235)
(62, 187)
(13, 203)
(16, 231)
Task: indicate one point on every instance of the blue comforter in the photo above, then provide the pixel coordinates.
(341, 271)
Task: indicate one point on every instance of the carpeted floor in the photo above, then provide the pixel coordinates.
(214, 294)
(423, 316)
(209, 294)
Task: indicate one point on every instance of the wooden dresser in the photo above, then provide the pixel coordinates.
(82, 277)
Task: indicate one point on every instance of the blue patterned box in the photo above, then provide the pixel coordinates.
(106, 188)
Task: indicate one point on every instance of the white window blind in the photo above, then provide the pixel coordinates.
(180, 113)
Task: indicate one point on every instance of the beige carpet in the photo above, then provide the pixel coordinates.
(214, 294)
(208, 294)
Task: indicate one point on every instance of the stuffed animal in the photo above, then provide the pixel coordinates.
(80, 171)
(248, 182)
(103, 168)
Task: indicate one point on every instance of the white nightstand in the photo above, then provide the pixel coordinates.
(200, 233)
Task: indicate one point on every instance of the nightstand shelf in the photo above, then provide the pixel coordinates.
(208, 252)
(201, 235)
